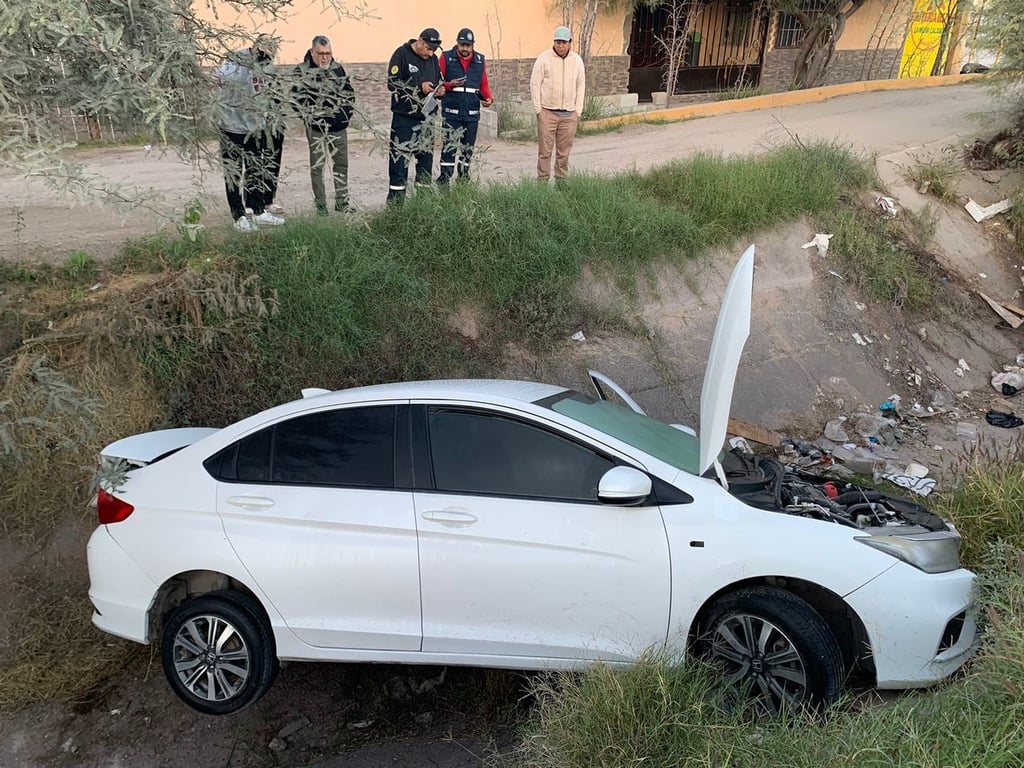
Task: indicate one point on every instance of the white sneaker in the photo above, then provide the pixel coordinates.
(268, 218)
(248, 211)
(275, 208)
(244, 225)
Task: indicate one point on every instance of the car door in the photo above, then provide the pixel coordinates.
(319, 509)
(517, 558)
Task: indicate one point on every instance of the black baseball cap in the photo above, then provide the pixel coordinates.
(465, 36)
(431, 37)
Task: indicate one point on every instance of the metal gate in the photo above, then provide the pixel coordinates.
(724, 45)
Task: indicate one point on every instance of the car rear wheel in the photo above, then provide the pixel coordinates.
(774, 647)
(218, 652)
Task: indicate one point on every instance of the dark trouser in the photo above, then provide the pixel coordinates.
(459, 138)
(410, 136)
(249, 171)
(274, 170)
(332, 144)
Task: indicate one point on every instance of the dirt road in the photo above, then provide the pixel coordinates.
(35, 224)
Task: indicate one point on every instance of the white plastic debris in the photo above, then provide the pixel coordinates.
(820, 242)
(741, 443)
(980, 213)
(860, 340)
(578, 336)
(860, 306)
(889, 206)
(1012, 375)
(963, 364)
(835, 274)
(922, 486)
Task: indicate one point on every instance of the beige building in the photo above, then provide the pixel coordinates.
(728, 42)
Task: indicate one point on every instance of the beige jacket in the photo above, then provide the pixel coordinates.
(558, 83)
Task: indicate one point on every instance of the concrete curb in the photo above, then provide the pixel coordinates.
(783, 99)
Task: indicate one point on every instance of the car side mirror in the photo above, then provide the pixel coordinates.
(623, 486)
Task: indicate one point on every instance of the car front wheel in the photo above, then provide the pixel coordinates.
(774, 647)
(218, 652)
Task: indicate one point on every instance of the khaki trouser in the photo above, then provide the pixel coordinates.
(558, 133)
(332, 144)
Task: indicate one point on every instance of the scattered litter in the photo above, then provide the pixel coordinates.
(983, 276)
(922, 486)
(1020, 359)
(916, 470)
(981, 213)
(360, 725)
(834, 430)
(860, 306)
(859, 339)
(95, 287)
(740, 443)
(959, 371)
(820, 242)
(967, 431)
(578, 336)
(835, 274)
(1003, 419)
(923, 333)
(891, 405)
(889, 206)
(1009, 382)
(115, 712)
(1004, 312)
(937, 448)
(961, 363)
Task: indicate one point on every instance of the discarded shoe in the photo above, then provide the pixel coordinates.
(1003, 419)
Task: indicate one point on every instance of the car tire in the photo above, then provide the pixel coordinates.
(775, 647)
(218, 652)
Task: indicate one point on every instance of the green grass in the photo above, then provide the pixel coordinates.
(876, 256)
(936, 176)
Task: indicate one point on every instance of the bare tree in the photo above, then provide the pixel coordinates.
(679, 24)
(823, 24)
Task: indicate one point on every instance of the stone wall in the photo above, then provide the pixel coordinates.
(846, 67)
(509, 80)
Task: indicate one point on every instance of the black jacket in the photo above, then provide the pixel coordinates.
(324, 95)
(406, 74)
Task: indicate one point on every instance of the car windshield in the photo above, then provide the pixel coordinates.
(671, 445)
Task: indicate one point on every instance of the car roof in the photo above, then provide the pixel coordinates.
(453, 389)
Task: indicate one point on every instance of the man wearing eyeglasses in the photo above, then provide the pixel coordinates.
(414, 75)
(325, 98)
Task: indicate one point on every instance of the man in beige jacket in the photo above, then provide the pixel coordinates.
(557, 86)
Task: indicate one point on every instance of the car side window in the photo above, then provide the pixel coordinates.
(343, 447)
(473, 452)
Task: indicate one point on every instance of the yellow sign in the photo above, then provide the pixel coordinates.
(924, 37)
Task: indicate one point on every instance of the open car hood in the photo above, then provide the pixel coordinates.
(731, 334)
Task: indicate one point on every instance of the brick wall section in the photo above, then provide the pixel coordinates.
(509, 79)
(846, 67)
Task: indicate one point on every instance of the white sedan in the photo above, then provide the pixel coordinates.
(518, 525)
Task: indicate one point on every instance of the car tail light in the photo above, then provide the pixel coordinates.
(111, 509)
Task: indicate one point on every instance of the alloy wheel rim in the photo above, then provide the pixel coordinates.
(211, 658)
(758, 657)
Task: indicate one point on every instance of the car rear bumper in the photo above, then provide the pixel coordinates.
(120, 591)
(921, 626)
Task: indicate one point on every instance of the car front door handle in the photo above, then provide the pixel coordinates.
(252, 503)
(453, 518)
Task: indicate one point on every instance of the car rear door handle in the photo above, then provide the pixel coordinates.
(251, 502)
(453, 518)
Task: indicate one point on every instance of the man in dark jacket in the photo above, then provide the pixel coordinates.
(465, 73)
(414, 79)
(325, 98)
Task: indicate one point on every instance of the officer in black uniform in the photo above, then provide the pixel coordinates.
(413, 76)
(468, 90)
